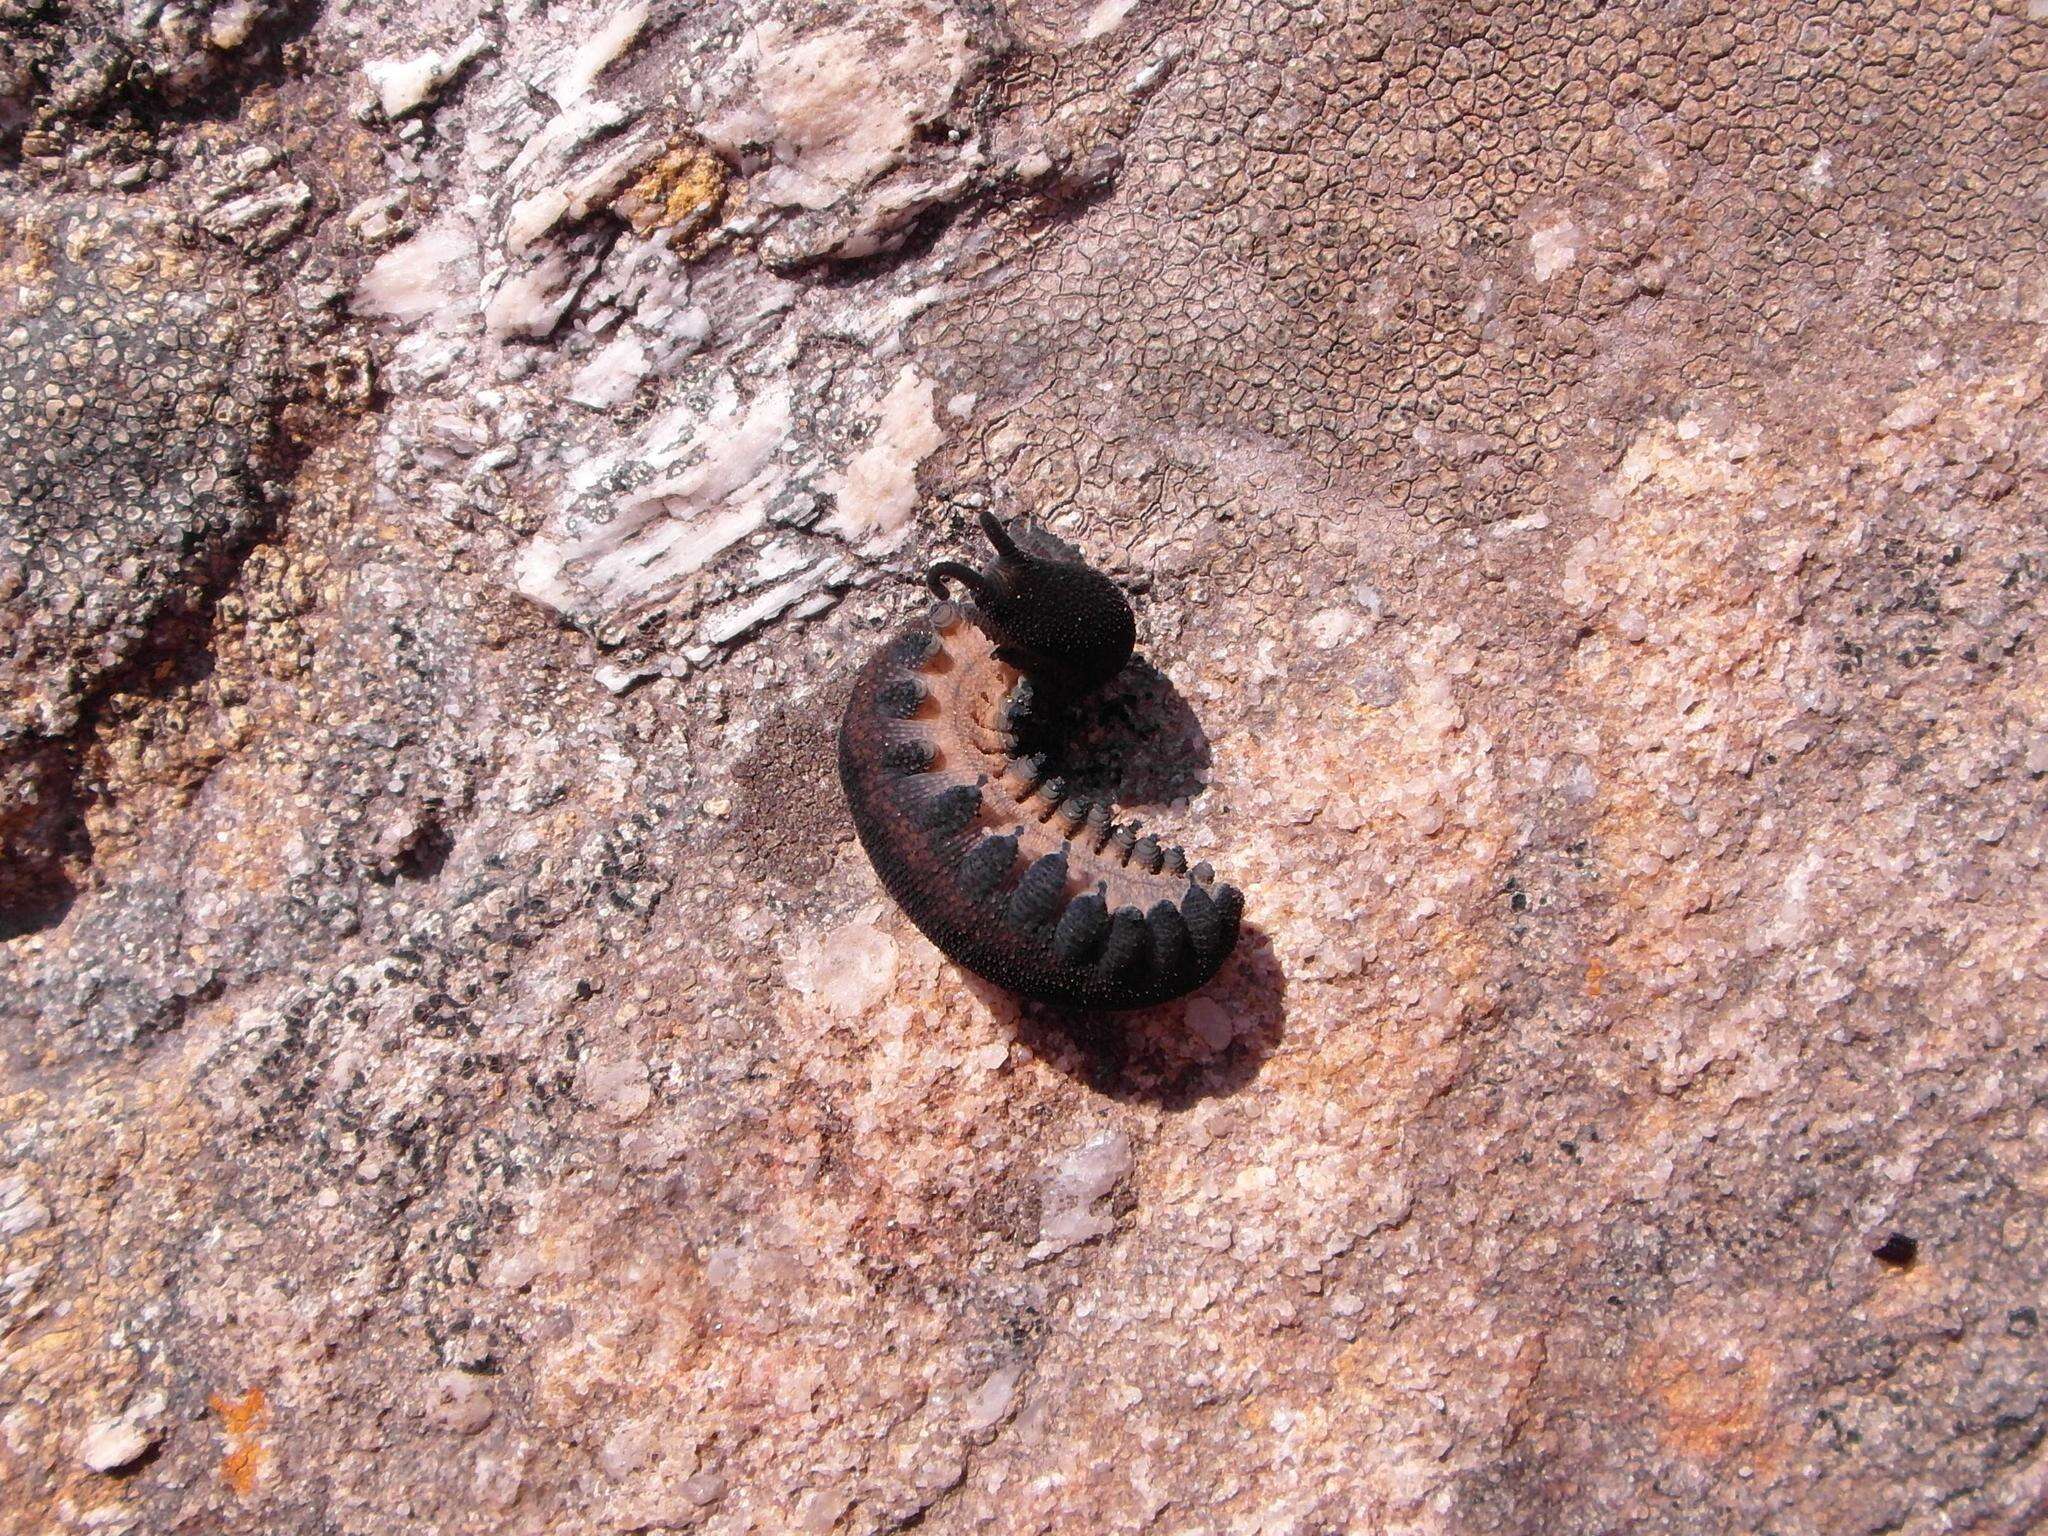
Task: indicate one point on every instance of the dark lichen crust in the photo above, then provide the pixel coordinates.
(1039, 891)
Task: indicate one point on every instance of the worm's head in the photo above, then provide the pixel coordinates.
(1059, 621)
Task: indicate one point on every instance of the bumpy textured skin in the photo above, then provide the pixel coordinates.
(1043, 893)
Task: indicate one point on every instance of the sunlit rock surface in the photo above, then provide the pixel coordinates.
(1584, 477)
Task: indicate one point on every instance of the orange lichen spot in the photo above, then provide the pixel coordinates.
(682, 188)
(1712, 1410)
(241, 1419)
(1709, 1402)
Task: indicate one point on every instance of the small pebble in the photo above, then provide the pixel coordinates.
(706, 1488)
(459, 1402)
(113, 1444)
(1211, 1023)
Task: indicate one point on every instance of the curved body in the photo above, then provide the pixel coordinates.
(1037, 891)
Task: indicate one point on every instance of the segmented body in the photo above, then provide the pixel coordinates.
(1033, 889)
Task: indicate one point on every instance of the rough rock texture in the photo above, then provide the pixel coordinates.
(1583, 473)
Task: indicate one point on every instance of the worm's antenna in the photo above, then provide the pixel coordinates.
(999, 536)
(955, 570)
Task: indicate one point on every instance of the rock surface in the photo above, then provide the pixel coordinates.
(1583, 469)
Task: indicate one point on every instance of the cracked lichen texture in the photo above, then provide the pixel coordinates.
(135, 411)
(72, 65)
(1582, 471)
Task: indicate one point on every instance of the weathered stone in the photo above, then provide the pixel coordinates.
(1580, 473)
